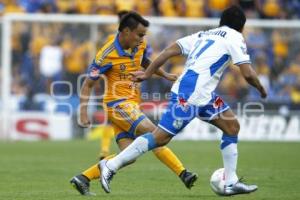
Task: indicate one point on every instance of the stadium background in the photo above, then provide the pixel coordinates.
(46, 60)
(46, 46)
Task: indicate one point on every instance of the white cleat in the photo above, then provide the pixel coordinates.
(239, 188)
(106, 175)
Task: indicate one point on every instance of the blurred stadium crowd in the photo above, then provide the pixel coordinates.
(183, 8)
(47, 52)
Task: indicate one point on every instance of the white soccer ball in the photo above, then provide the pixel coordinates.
(217, 181)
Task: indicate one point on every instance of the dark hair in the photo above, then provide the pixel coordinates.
(132, 20)
(122, 13)
(233, 17)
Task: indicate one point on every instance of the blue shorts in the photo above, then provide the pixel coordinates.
(179, 113)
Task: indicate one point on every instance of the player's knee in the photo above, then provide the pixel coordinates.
(161, 137)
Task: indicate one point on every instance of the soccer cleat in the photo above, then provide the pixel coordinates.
(239, 188)
(82, 185)
(188, 178)
(101, 157)
(106, 175)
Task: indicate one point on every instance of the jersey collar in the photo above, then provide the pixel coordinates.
(121, 51)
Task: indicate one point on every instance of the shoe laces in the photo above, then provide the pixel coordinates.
(110, 175)
(242, 180)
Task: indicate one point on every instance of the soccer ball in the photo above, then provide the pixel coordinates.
(217, 181)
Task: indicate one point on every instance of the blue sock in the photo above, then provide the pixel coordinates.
(151, 141)
(227, 140)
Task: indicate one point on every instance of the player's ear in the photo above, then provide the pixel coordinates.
(126, 30)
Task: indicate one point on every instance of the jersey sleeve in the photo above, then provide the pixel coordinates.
(238, 51)
(186, 43)
(99, 66)
(95, 70)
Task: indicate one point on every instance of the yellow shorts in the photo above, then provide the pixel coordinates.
(125, 117)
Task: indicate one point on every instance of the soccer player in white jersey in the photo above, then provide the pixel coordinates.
(208, 55)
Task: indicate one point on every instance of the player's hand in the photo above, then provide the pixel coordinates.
(84, 122)
(263, 93)
(171, 77)
(138, 76)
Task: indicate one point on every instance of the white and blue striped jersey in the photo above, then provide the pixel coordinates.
(208, 54)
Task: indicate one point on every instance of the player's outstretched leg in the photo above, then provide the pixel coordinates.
(82, 185)
(239, 188)
(188, 178)
(138, 147)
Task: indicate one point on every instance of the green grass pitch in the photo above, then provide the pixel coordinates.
(41, 171)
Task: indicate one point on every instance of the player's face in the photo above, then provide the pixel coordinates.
(136, 36)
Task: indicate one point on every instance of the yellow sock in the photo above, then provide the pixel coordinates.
(107, 135)
(93, 172)
(165, 155)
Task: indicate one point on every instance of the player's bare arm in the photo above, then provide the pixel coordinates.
(160, 72)
(171, 51)
(251, 77)
(85, 93)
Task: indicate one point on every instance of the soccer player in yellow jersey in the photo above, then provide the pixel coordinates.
(107, 129)
(119, 57)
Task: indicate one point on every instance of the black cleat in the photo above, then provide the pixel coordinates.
(82, 185)
(188, 178)
(101, 158)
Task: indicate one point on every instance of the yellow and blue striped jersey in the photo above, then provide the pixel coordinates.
(116, 64)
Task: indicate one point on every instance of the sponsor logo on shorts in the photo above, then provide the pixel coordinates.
(183, 104)
(177, 123)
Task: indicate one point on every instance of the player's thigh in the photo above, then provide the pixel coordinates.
(146, 125)
(124, 142)
(122, 137)
(227, 122)
(161, 137)
(218, 113)
(176, 117)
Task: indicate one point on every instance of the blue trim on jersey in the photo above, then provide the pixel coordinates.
(135, 123)
(115, 102)
(151, 141)
(105, 68)
(227, 140)
(121, 51)
(123, 135)
(214, 67)
(94, 70)
(243, 62)
(187, 84)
